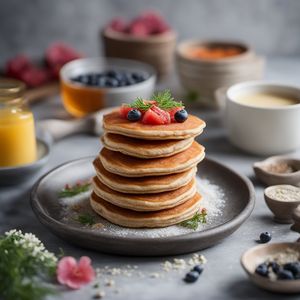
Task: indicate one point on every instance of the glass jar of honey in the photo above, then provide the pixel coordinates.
(17, 133)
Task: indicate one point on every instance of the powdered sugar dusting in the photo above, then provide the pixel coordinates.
(213, 200)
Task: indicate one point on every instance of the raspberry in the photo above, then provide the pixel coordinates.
(118, 24)
(34, 77)
(138, 28)
(59, 54)
(17, 65)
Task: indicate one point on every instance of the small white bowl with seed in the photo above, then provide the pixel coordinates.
(282, 200)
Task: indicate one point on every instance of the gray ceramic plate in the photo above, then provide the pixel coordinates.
(231, 193)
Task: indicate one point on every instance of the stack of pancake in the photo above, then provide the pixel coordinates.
(146, 173)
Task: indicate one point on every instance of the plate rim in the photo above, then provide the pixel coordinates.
(190, 236)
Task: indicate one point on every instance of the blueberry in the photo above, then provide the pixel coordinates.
(181, 116)
(84, 79)
(134, 115)
(76, 79)
(138, 77)
(191, 276)
(101, 82)
(122, 83)
(285, 275)
(111, 82)
(198, 268)
(274, 266)
(293, 267)
(262, 270)
(265, 237)
(130, 81)
(111, 73)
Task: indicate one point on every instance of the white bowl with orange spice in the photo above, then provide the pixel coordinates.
(90, 84)
(204, 66)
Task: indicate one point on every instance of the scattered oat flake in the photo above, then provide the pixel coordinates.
(99, 295)
(97, 226)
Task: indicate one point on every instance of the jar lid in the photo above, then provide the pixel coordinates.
(11, 88)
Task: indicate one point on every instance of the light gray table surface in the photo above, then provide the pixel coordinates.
(223, 277)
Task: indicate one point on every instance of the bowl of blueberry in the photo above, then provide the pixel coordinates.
(90, 84)
(274, 267)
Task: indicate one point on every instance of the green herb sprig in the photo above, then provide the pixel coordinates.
(26, 267)
(164, 100)
(86, 219)
(71, 191)
(139, 103)
(193, 223)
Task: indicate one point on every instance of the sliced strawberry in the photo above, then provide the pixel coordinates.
(156, 116)
(173, 111)
(124, 109)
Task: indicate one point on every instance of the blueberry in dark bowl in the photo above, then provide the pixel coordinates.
(274, 266)
(285, 275)
(134, 115)
(293, 267)
(262, 270)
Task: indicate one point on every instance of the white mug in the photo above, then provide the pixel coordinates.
(260, 130)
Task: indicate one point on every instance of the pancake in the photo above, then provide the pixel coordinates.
(115, 123)
(143, 185)
(144, 148)
(128, 166)
(145, 202)
(134, 219)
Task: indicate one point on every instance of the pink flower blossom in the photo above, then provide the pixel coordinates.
(73, 274)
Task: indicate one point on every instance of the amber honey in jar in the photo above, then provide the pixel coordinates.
(81, 100)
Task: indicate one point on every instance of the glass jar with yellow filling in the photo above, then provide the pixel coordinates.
(17, 134)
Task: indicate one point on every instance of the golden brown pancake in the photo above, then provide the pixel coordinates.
(143, 185)
(145, 202)
(144, 148)
(130, 218)
(115, 123)
(129, 166)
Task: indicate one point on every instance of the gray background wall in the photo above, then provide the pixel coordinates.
(271, 26)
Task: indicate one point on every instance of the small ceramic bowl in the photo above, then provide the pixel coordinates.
(80, 100)
(156, 50)
(17, 175)
(282, 209)
(265, 170)
(202, 76)
(259, 254)
(260, 130)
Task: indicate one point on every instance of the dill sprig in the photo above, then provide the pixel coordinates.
(71, 191)
(86, 219)
(193, 223)
(139, 103)
(165, 101)
(26, 267)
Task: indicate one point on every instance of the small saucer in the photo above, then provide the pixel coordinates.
(19, 174)
(282, 209)
(259, 254)
(263, 171)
